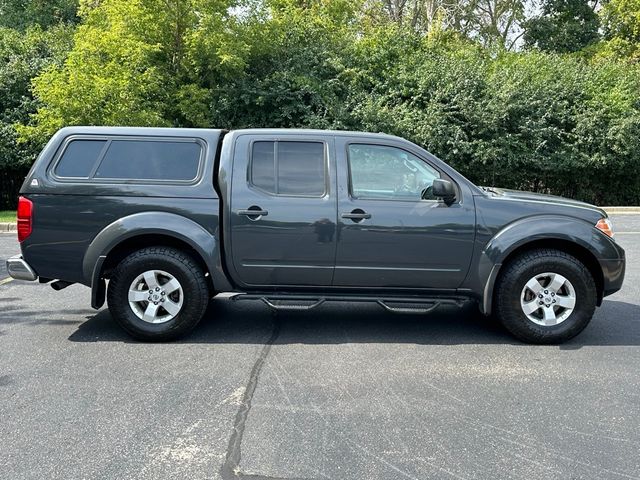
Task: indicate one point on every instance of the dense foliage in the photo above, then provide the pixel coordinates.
(542, 103)
(563, 26)
(24, 55)
(21, 14)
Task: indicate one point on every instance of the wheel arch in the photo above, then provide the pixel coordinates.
(138, 242)
(145, 229)
(584, 255)
(572, 236)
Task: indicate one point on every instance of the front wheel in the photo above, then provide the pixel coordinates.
(545, 296)
(158, 294)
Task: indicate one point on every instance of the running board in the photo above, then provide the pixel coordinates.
(418, 309)
(404, 305)
(279, 304)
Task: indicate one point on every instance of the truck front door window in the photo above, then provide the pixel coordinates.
(381, 172)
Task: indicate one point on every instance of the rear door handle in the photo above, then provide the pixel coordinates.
(253, 212)
(356, 215)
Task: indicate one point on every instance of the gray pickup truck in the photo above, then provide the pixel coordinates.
(172, 217)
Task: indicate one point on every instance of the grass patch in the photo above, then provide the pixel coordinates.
(7, 216)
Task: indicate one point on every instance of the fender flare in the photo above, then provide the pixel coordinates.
(145, 223)
(532, 229)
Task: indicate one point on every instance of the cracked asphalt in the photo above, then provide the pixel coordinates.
(346, 391)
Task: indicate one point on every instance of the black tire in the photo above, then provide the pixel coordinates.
(194, 293)
(518, 272)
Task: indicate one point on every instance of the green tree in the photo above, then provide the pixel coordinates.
(23, 56)
(21, 14)
(137, 62)
(294, 56)
(563, 26)
(531, 121)
(621, 20)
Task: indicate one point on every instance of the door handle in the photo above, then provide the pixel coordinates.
(253, 212)
(356, 215)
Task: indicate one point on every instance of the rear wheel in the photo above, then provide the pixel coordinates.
(545, 296)
(158, 294)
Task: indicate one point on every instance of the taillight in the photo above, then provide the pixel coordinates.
(605, 226)
(25, 218)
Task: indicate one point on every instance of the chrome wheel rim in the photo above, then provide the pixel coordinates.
(156, 296)
(548, 299)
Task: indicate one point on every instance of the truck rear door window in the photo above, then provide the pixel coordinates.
(289, 168)
(150, 160)
(78, 158)
(262, 166)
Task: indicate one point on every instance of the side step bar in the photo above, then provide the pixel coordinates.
(276, 304)
(413, 309)
(406, 305)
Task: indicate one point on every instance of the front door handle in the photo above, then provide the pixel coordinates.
(356, 215)
(254, 212)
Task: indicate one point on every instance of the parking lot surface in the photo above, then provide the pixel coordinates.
(346, 391)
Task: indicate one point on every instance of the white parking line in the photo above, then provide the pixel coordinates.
(627, 233)
(6, 280)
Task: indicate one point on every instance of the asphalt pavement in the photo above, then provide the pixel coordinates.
(346, 391)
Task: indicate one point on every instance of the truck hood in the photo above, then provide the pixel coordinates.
(508, 194)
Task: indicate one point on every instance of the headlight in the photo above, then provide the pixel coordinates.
(605, 226)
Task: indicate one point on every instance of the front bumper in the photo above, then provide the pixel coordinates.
(19, 269)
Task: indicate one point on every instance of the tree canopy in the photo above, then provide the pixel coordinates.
(508, 98)
(563, 26)
(21, 14)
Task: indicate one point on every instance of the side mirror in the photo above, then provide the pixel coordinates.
(444, 189)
